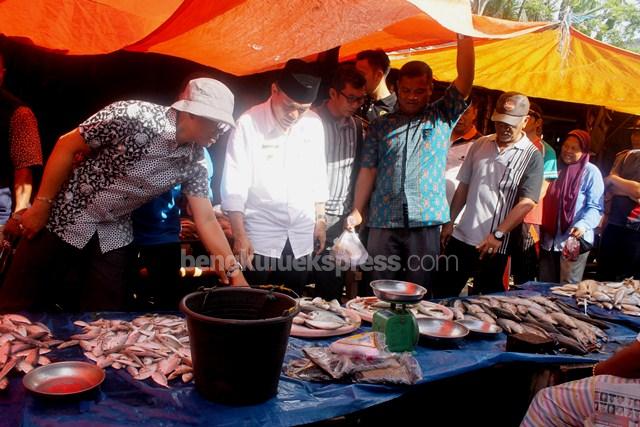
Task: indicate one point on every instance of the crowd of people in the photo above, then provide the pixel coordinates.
(434, 201)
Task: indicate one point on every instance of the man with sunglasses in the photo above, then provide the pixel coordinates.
(274, 184)
(133, 151)
(344, 135)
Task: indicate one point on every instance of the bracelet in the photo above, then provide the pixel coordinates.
(593, 370)
(235, 267)
(45, 199)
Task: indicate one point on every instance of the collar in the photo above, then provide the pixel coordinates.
(387, 101)
(325, 114)
(270, 122)
(522, 144)
(172, 123)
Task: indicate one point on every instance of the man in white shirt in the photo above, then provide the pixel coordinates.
(274, 183)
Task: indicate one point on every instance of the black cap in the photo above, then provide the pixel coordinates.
(299, 82)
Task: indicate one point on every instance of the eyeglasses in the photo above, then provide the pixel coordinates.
(353, 99)
(535, 114)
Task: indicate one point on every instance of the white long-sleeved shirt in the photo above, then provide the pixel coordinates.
(275, 178)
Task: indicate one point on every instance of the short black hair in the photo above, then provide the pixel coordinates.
(392, 79)
(377, 58)
(475, 100)
(536, 108)
(415, 69)
(347, 74)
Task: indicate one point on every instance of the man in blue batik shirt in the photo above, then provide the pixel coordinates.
(402, 179)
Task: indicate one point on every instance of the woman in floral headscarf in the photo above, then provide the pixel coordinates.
(573, 207)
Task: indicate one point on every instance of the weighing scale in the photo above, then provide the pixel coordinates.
(397, 323)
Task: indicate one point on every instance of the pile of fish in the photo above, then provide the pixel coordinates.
(150, 346)
(317, 313)
(23, 345)
(623, 296)
(571, 330)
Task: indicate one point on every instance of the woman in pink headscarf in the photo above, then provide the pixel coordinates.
(573, 207)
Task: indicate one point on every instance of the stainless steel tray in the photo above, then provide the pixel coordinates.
(398, 291)
(480, 327)
(63, 378)
(441, 329)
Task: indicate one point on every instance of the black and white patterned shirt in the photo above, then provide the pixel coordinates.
(134, 158)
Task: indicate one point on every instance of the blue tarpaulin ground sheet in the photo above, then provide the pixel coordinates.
(124, 401)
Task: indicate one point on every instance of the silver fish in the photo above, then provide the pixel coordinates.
(322, 319)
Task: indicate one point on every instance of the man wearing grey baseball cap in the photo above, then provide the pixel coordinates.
(134, 151)
(500, 182)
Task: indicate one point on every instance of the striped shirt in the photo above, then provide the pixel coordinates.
(343, 138)
(497, 180)
(570, 404)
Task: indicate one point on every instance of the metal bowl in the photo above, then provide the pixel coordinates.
(63, 378)
(398, 291)
(480, 327)
(440, 328)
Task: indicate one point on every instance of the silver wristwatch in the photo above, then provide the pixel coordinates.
(235, 267)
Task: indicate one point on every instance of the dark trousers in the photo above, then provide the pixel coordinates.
(462, 261)
(619, 254)
(328, 278)
(47, 273)
(409, 254)
(525, 257)
(288, 271)
(161, 286)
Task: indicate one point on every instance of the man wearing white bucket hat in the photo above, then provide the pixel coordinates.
(134, 151)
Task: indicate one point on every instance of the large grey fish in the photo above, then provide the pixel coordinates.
(569, 344)
(323, 319)
(510, 326)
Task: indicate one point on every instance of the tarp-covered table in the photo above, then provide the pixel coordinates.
(122, 400)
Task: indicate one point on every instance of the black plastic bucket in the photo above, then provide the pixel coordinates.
(238, 340)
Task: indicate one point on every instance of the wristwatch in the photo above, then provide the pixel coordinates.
(234, 267)
(499, 235)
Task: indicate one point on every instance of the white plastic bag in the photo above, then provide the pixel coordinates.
(348, 249)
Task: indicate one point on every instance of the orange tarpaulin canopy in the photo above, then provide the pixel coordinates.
(243, 36)
(588, 72)
(249, 36)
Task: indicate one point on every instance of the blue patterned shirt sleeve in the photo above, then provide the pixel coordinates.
(451, 105)
(370, 146)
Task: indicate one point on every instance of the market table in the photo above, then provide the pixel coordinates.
(592, 309)
(122, 400)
